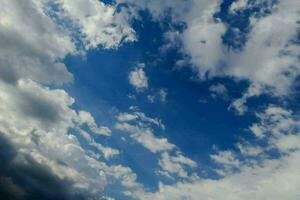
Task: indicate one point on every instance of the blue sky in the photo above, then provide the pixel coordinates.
(130, 99)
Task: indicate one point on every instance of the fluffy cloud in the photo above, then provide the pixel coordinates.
(40, 125)
(138, 78)
(269, 57)
(270, 54)
(25, 32)
(254, 176)
(146, 137)
(175, 165)
(160, 95)
(239, 105)
(41, 134)
(99, 24)
(171, 161)
(218, 90)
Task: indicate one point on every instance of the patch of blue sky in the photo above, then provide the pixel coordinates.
(194, 121)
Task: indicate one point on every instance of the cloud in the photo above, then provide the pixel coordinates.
(36, 38)
(138, 78)
(87, 118)
(218, 90)
(49, 139)
(175, 165)
(172, 163)
(99, 24)
(22, 177)
(239, 104)
(254, 176)
(160, 95)
(268, 56)
(25, 32)
(50, 147)
(146, 137)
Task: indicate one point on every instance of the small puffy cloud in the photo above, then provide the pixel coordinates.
(238, 5)
(145, 137)
(175, 165)
(239, 104)
(137, 77)
(136, 115)
(218, 90)
(225, 158)
(138, 125)
(87, 118)
(160, 95)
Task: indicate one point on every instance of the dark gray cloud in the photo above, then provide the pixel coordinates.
(23, 178)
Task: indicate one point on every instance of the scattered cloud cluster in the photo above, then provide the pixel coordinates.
(41, 133)
(138, 125)
(252, 172)
(269, 56)
(47, 147)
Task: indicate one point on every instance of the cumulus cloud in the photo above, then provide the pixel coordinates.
(239, 105)
(172, 162)
(218, 90)
(250, 176)
(100, 24)
(160, 95)
(146, 137)
(41, 134)
(269, 55)
(25, 32)
(47, 136)
(34, 43)
(137, 77)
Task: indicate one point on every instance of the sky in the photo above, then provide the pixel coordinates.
(150, 99)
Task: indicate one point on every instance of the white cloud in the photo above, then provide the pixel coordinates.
(137, 115)
(40, 122)
(225, 158)
(256, 176)
(270, 54)
(100, 24)
(145, 137)
(238, 5)
(239, 104)
(175, 165)
(160, 95)
(218, 90)
(138, 125)
(25, 32)
(202, 38)
(268, 58)
(87, 118)
(45, 134)
(138, 78)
